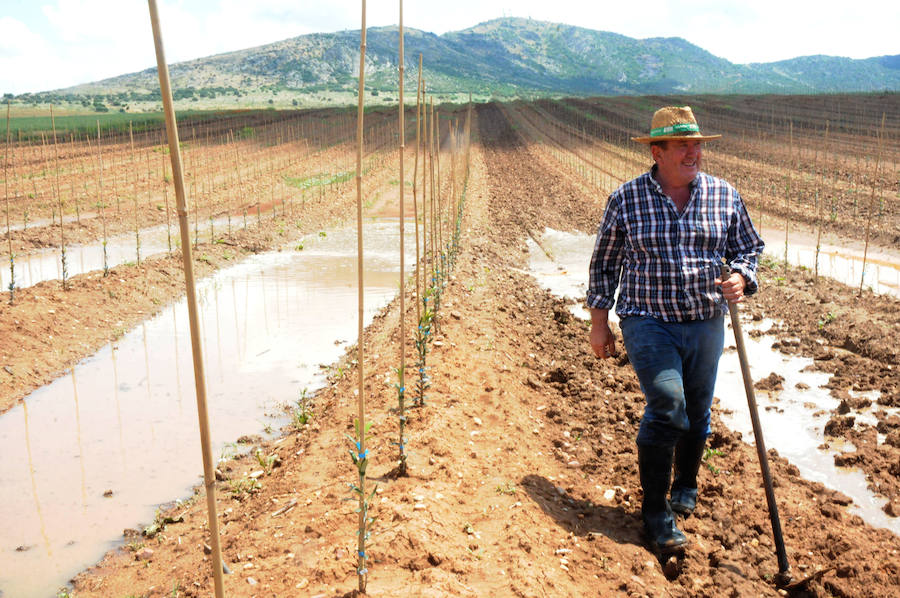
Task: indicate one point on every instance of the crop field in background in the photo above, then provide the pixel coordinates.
(506, 392)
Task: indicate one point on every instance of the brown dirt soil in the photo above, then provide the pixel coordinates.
(523, 476)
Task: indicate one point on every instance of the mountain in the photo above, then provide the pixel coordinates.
(504, 57)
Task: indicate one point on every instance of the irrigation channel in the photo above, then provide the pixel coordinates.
(97, 450)
(792, 421)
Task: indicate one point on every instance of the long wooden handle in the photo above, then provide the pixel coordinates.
(783, 566)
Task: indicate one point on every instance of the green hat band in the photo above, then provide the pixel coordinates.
(679, 128)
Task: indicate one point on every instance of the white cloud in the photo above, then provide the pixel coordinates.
(25, 58)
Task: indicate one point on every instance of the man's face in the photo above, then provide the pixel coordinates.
(678, 160)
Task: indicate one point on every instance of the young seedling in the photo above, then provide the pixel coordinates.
(423, 336)
(401, 418)
(708, 454)
(302, 412)
(360, 459)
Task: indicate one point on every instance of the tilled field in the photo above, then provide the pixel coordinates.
(523, 474)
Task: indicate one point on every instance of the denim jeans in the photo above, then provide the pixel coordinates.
(676, 363)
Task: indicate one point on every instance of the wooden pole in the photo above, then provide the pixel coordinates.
(361, 570)
(12, 262)
(402, 372)
(415, 184)
(191, 296)
(100, 200)
(59, 201)
(862, 276)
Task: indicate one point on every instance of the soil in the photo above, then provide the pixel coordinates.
(522, 470)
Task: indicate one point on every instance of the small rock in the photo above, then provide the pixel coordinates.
(340, 553)
(892, 508)
(220, 477)
(456, 315)
(257, 474)
(252, 581)
(8, 370)
(144, 554)
(573, 464)
(302, 584)
(477, 421)
(108, 494)
(609, 494)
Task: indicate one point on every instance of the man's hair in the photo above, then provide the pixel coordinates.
(660, 144)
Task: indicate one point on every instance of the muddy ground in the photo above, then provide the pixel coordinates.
(523, 476)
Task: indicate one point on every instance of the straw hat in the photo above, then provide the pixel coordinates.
(674, 122)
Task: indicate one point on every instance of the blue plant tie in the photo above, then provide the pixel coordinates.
(361, 553)
(363, 454)
(358, 447)
(402, 389)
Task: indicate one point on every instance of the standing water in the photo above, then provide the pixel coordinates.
(792, 421)
(97, 450)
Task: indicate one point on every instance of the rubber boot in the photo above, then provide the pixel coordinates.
(655, 464)
(688, 455)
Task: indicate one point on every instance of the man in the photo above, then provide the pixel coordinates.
(665, 235)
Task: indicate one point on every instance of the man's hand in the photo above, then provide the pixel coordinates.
(603, 341)
(733, 287)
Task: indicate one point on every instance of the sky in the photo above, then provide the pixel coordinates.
(52, 44)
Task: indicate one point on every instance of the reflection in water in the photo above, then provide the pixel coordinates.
(155, 456)
(78, 437)
(788, 419)
(34, 490)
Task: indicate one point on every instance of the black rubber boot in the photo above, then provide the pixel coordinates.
(688, 455)
(655, 464)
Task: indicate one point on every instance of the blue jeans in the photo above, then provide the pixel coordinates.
(676, 363)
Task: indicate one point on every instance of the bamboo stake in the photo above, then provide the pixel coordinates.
(191, 296)
(819, 201)
(361, 459)
(402, 372)
(415, 184)
(62, 236)
(12, 257)
(137, 219)
(787, 197)
(100, 200)
(862, 276)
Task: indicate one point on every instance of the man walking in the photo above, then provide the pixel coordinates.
(662, 242)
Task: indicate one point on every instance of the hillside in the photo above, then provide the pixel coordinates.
(499, 58)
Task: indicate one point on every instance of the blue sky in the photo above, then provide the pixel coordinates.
(49, 44)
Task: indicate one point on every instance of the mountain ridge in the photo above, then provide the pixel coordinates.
(504, 57)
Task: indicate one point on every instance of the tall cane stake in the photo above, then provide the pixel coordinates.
(360, 458)
(191, 296)
(401, 383)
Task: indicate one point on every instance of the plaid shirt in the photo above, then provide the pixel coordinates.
(668, 261)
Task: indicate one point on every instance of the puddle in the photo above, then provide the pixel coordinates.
(843, 263)
(125, 421)
(46, 264)
(788, 420)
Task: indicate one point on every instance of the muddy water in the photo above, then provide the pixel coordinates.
(97, 450)
(793, 420)
(838, 259)
(46, 264)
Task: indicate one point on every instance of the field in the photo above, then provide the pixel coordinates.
(522, 467)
